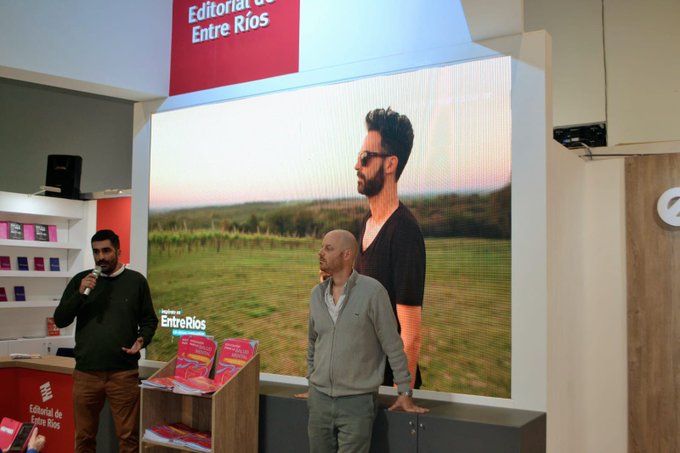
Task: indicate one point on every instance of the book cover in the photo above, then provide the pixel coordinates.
(195, 356)
(19, 294)
(16, 231)
(3, 294)
(54, 264)
(38, 263)
(52, 329)
(4, 229)
(9, 429)
(198, 385)
(41, 233)
(235, 353)
(199, 441)
(52, 233)
(159, 383)
(166, 434)
(5, 263)
(22, 262)
(29, 232)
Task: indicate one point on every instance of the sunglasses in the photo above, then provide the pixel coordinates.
(366, 156)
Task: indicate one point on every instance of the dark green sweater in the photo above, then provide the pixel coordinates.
(117, 311)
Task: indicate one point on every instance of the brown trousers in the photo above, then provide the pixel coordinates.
(90, 389)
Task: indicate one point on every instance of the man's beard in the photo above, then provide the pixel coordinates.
(373, 186)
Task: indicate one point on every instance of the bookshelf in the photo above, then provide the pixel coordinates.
(231, 413)
(23, 323)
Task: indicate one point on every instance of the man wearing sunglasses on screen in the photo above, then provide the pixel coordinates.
(391, 244)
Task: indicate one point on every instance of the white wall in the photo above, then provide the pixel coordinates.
(36, 121)
(119, 49)
(587, 360)
(637, 43)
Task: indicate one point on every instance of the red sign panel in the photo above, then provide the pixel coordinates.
(218, 43)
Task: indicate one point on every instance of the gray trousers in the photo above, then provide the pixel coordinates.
(343, 424)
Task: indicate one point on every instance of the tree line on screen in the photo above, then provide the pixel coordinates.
(449, 215)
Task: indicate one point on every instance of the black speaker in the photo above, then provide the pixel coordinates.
(64, 172)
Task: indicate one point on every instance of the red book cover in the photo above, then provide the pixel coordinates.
(235, 353)
(52, 233)
(29, 232)
(14, 435)
(8, 430)
(167, 433)
(159, 382)
(3, 294)
(52, 329)
(5, 263)
(195, 356)
(199, 441)
(38, 263)
(4, 229)
(198, 385)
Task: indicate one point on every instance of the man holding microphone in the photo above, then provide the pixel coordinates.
(115, 318)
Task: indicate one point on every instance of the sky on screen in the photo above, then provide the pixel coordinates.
(302, 144)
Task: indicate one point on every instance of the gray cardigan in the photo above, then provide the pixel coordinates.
(348, 357)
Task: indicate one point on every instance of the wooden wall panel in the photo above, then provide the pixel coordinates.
(653, 275)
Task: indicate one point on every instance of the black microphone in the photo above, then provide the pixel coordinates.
(96, 272)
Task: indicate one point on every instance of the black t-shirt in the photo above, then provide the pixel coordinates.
(396, 258)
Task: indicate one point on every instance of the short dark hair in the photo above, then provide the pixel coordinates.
(396, 134)
(103, 235)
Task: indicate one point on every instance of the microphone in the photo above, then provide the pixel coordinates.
(96, 272)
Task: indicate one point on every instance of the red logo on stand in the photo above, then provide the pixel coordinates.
(219, 43)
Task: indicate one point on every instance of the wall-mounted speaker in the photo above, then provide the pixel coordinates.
(63, 171)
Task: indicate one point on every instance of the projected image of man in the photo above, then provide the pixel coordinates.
(391, 244)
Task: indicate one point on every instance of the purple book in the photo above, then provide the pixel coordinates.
(19, 294)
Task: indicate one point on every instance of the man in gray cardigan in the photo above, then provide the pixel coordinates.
(352, 331)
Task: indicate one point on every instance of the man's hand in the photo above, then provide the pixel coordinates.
(303, 395)
(89, 281)
(406, 404)
(136, 346)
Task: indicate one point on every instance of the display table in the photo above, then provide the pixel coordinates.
(40, 391)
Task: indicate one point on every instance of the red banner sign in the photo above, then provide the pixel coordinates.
(218, 43)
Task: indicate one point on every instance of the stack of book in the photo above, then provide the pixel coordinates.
(195, 357)
(179, 434)
(27, 231)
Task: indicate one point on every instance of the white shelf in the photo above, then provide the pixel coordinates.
(39, 244)
(75, 221)
(30, 304)
(31, 274)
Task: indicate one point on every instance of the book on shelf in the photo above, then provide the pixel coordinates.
(19, 294)
(41, 233)
(54, 264)
(52, 329)
(179, 434)
(166, 383)
(5, 263)
(165, 434)
(38, 263)
(195, 356)
(22, 262)
(29, 232)
(199, 441)
(52, 233)
(4, 229)
(197, 385)
(234, 354)
(16, 231)
(3, 294)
